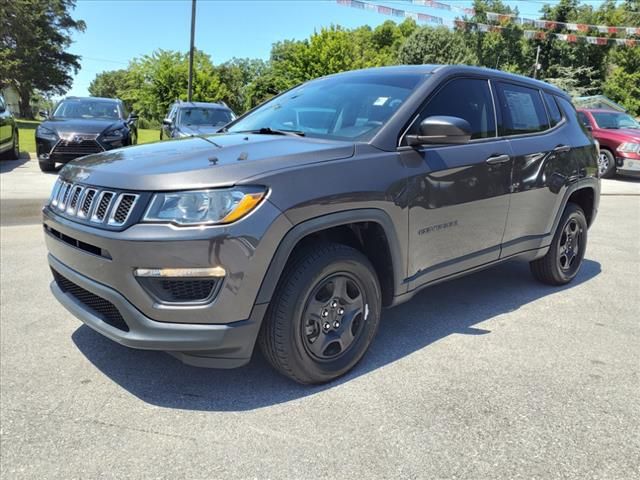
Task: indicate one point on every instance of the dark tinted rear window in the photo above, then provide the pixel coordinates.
(466, 98)
(583, 119)
(522, 110)
(555, 117)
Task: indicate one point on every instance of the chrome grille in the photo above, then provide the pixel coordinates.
(122, 208)
(87, 202)
(73, 148)
(92, 204)
(104, 202)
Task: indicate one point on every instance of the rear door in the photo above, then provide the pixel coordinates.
(540, 141)
(458, 194)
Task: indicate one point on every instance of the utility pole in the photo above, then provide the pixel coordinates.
(536, 66)
(193, 33)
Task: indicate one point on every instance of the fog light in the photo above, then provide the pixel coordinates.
(43, 156)
(180, 272)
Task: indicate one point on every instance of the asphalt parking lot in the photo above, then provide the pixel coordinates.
(488, 376)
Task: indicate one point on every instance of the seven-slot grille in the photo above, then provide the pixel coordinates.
(92, 204)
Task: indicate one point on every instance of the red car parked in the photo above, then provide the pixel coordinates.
(619, 137)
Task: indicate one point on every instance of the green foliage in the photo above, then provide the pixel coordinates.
(33, 38)
(623, 83)
(154, 82)
(436, 45)
(108, 84)
(569, 80)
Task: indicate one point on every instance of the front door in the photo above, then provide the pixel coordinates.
(458, 194)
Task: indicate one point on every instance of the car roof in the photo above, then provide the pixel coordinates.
(99, 99)
(429, 69)
(599, 110)
(201, 105)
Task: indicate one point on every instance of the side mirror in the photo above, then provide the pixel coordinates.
(440, 129)
(167, 122)
(133, 118)
(44, 113)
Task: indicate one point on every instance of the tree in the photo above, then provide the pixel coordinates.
(109, 84)
(623, 82)
(436, 45)
(569, 80)
(237, 75)
(33, 38)
(154, 82)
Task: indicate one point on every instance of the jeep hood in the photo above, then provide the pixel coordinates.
(200, 162)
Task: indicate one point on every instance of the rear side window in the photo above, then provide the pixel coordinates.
(466, 98)
(583, 119)
(522, 110)
(555, 117)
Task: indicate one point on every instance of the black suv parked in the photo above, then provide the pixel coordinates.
(81, 126)
(306, 216)
(188, 119)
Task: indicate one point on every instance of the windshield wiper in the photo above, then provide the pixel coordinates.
(273, 131)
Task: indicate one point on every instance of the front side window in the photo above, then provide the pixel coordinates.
(204, 116)
(350, 107)
(81, 108)
(466, 98)
(615, 120)
(522, 110)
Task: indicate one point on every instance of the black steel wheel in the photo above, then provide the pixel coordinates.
(324, 314)
(333, 316)
(564, 258)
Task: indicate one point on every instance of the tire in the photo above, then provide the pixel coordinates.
(606, 164)
(327, 285)
(47, 166)
(14, 152)
(563, 260)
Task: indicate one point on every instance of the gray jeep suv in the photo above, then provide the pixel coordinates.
(299, 221)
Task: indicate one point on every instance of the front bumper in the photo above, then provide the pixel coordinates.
(220, 346)
(629, 165)
(219, 333)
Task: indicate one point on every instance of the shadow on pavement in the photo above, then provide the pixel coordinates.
(9, 165)
(449, 308)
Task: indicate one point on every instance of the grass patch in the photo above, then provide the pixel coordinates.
(27, 129)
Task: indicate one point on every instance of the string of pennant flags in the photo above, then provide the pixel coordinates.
(563, 37)
(530, 34)
(552, 25)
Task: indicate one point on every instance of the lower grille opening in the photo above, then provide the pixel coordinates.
(181, 290)
(87, 247)
(100, 307)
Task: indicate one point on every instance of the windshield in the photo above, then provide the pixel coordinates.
(342, 108)
(204, 116)
(615, 120)
(87, 109)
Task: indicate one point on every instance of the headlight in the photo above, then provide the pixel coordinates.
(629, 147)
(115, 134)
(47, 133)
(203, 207)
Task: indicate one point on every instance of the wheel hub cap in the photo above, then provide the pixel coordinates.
(333, 316)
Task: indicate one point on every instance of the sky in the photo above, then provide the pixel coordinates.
(120, 30)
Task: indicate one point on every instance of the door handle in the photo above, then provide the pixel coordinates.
(496, 159)
(562, 148)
